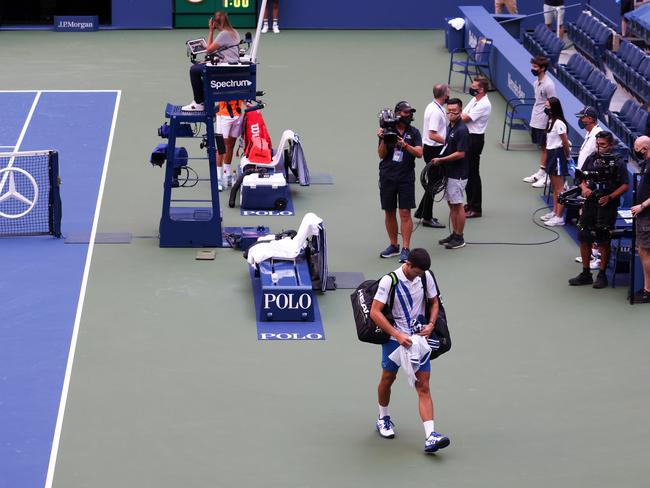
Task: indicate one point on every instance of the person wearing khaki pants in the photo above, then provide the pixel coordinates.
(511, 5)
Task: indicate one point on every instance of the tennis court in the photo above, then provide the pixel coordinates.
(545, 384)
(44, 278)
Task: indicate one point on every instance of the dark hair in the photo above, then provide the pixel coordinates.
(604, 134)
(419, 258)
(482, 82)
(556, 113)
(541, 61)
(455, 101)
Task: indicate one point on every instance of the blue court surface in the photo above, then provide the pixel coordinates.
(43, 279)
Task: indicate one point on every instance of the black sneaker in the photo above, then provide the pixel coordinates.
(601, 280)
(583, 278)
(444, 241)
(456, 242)
(642, 296)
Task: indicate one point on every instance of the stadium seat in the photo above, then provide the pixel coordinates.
(478, 59)
(591, 37)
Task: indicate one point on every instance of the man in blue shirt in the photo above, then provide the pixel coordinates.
(397, 179)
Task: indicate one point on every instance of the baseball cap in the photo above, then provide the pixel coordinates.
(588, 112)
(404, 106)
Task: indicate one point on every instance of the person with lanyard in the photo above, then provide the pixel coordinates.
(476, 115)
(455, 165)
(229, 125)
(558, 153)
(641, 213)
(434, 132)
(408, 310)
(227, 43)
(588, 120)
(600, 208)
(544, 89)
(397, 179)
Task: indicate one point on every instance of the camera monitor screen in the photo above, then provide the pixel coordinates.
(197, 46)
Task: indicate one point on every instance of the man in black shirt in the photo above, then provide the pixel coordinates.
(397, 180)
(641, 212)
(457, 171)
(600, 208)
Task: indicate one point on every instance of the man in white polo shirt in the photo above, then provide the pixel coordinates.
(476, 115)
(434, 132)
(588, 120)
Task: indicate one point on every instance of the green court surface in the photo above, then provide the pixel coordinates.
(546, 385)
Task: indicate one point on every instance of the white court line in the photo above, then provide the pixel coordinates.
(59, 91)
(82, 295)
(20, 139)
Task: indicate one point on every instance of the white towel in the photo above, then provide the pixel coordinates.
(458, 23)
(286, 248)
(410, 358)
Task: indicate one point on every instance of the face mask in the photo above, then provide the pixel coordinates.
(640, 155)
(535, 72)
(581, 124)
(473, 91)
(406, 120)
(547, 111)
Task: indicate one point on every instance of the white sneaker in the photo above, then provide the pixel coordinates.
(276, 29)
(227, 181)
(265, 27)
(594, 263)
(193, 107)
(547, 216)
(540, 183)
(535, 176)
(578, 259)
(219, 185)
(385, 427)
(554, 221)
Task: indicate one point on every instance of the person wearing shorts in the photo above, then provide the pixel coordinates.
(457, 171)
(554, 11)
(544, 89)
(511, 5)
(600, 209)
(408, 311)
(397, 179)
(558, 152)
(641, 212)
(229, 125)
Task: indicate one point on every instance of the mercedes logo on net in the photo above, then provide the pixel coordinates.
(10, 173)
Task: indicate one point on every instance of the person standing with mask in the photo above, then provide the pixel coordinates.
(476, 115)
(641, 212)
(434, 132)
(544, 89)
(397, 180)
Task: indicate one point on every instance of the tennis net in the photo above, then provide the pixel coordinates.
(30, 202)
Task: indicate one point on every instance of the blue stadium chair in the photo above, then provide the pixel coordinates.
(638, 82)
(618, 119)
(514, 119)
(478, 59)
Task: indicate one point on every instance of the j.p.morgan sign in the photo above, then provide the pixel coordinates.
(65, 23)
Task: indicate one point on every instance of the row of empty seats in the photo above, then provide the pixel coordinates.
(629, 122)
(638, 22)
(631, 68)
(543, 42)
(591, 37)
(588, 84)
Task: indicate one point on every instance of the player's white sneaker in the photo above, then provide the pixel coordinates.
(385, 427)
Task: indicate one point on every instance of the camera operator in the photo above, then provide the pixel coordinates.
(227, 38)
(641, 212)
(397, 179)
(604, 180)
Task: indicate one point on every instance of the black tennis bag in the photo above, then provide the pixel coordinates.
(362, 297)
(441, 329)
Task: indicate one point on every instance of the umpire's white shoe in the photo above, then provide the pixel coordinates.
(385, 427)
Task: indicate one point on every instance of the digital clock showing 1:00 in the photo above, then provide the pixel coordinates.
(239, 5)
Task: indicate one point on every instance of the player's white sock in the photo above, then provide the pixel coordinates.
(428, 428)
(219, 174)
(383, 412)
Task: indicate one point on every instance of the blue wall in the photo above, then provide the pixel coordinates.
(142, 14)
(350, 14)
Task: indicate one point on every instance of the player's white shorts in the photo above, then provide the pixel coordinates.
(228, 126)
